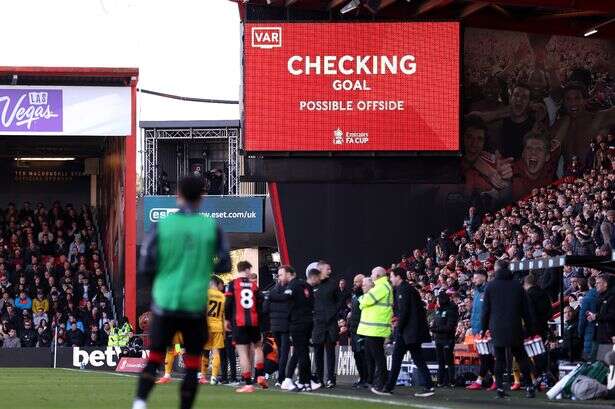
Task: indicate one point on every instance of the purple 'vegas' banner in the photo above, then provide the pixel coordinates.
(30, 110)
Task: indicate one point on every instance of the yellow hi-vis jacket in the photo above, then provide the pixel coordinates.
(377, 310)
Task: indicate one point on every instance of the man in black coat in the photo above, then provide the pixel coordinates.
(357, 343)
(541, 311)
(505, 309)
(75, 336)
(571, 346)
(327, 301)
(604, 318)
(411, 331)
(548, 278)
(300, 297)
(278, 306)
(443, 328)
(28, 335)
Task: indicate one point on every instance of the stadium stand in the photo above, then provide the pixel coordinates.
(570, 217)
(52, 276)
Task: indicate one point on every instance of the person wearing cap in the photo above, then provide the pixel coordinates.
(607, 228)
(443, 328)
(486, 361)
(582, 244)
(311, 266)
(505, 312)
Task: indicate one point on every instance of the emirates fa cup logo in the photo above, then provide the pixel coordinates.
(338, 137)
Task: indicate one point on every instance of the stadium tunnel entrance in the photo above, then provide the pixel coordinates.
(68, 135)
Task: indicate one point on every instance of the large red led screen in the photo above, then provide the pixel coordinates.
(351, 86)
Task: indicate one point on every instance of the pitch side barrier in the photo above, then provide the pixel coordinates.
(605, 263)
(108, 358)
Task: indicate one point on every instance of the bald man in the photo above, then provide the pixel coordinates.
(375, 325)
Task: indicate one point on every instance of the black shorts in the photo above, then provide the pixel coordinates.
(246, 335)
(164, 327)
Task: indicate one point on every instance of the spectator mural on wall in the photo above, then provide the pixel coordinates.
(537, 108)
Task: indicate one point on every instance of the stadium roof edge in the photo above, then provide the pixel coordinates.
(73, 71)
(222, 123)
(68, 76)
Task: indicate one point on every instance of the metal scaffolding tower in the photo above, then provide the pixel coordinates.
(152, 134)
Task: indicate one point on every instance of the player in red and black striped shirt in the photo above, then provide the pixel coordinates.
(243, 308)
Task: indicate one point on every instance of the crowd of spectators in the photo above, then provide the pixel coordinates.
(215, 181)
(51, 277)
(574, 217)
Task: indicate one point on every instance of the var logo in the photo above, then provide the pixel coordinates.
(267, 37)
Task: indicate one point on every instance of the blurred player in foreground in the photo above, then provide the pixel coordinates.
(181, 253)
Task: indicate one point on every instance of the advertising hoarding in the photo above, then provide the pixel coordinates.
(235, 214)
(70, 111)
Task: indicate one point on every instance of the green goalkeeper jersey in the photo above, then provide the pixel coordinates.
(182, 252)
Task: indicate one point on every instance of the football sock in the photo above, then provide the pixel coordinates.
(168, 362)
(260, 369)
(215, 366)
(204, 363)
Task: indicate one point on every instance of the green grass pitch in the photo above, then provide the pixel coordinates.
(83, 389)
(74, 389)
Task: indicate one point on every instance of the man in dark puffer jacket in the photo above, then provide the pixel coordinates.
(541, 311)
(356, 341)
(604, 318)
(325, 334)
(443, 328)
(279, 314)
(505, 312)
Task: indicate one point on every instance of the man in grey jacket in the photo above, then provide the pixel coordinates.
(11, 340)
(607, 228)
